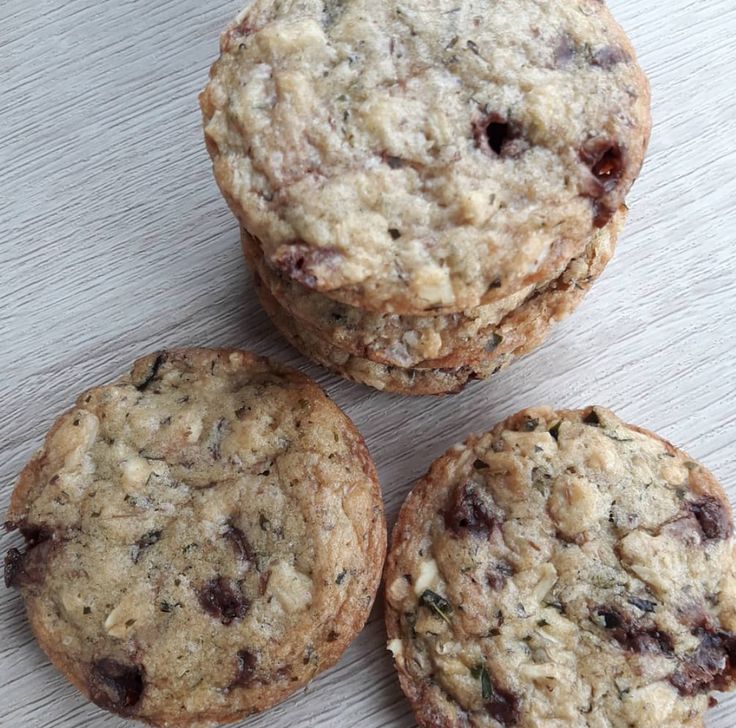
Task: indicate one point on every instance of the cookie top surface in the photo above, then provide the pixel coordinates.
(409, 156)
(204, 535)
(565, 569)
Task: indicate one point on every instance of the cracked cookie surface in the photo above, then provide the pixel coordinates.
(410, 156)
(565, 569)
(203, 536)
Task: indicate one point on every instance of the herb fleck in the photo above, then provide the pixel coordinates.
(479, 672)
(437, 603)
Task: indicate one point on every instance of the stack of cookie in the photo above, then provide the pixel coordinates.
(424, 190)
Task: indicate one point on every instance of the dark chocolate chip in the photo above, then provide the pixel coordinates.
(529, 424)
(609, 56)
(116, 686)
(592, 419)
(480, 465)
(28, 565)
(299, 262)
(394, 233)
(223, 601)
(150, 374)
(711, 667)
(240, 543)
(632, 635)
(605, 159)
(712, 517)
(332, 635)
(555, 430)
(503, 706)
(245, 668)
(341, 577)
(470, 513)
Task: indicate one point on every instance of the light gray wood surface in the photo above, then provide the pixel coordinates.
(114, 241)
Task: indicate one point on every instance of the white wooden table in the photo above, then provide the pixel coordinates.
(114, 241)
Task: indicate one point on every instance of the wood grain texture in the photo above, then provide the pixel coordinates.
(114, 241)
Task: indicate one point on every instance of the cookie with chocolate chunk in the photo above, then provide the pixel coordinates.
(517, 333)
(445, 340)
(203, 536)
(563, 569)
(411, 157)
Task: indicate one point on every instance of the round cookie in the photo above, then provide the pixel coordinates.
(564, 569)
(446, 340)
(410, 156)
(203, 537)
(391, 339)
(517, 334)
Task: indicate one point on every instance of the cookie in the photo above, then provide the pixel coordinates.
(446, 340)
(203, 537)
(517, 334)
(382, 377)
(409, 157)
(564, 569)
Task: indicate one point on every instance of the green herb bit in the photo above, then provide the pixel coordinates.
(437, 603)
(479, 672)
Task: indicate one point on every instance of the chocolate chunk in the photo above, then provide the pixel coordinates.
(605, 159)
(471, 513)
(592, 419)
(609, 56)
(712, 517)
(711, 667)
(394, 233)
(480, 465)
(150, 373)
(503, 706)
(116, 686)
(28, 565)
(245, 662)
(240, 543)
(632, 635)
(497, 136)
(223, 601)
(299, 262)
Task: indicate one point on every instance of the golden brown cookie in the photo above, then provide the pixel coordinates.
(203, 536)
(563, 569)
(409, 156)
(513, 325)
